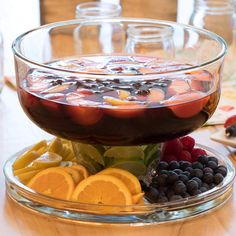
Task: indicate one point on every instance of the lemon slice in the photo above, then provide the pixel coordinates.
(27, 176)
(56, 146)
(135, 167)
(102, 189)
(25, 159)
(129, 152)
(54, 182)
(49, 159)
(126, 177)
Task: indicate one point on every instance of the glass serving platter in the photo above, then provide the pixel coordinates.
(146, 213)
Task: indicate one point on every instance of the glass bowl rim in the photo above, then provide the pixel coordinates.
(17, 43)
(126, 209)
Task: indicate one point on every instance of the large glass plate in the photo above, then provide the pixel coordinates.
(135, 214)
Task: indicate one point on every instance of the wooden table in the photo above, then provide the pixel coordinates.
(17, 131)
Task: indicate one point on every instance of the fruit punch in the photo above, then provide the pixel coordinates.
(124, 105)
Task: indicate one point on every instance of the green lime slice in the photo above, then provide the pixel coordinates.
(87, 150)
(151, 153)
(135, 167)
(129, 152)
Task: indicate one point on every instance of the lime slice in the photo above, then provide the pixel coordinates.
(137, 168)
(129, 152)
(85, 151)
(151, 153)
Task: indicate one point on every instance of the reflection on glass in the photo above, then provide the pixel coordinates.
(151, 40)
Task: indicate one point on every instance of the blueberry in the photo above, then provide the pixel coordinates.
(172, 177)
(164, 172)
(187, 174)
(170, 192)
(207, 170)
(183, 178)
(205, 185)
(162, 198)
(212, 165)
(163, 165)
(196, 192)
(160, 180)
(197, 165)
(179, 188)
(173, 165)
(178, 171)
(176, 198)
(152, 194)
(212, 185)
(184, 165)
(203, 189)
(162, 190)
(203, 159)
(189, 169)
(198, 181)
(208, 178)
(213, 159)
(192, 185)
(222, 170)
(218, 178)
(197, 173)
(186, 194)
(143, 185)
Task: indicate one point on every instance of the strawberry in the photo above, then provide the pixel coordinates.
(230, 121)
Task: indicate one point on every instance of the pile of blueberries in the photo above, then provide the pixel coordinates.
(177, 180)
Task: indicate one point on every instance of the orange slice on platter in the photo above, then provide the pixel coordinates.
(76, 176)
(54, 182)
(102, 189)
(126, 177)
(82, 170)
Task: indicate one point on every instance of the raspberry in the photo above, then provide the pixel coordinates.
(185, 156)
(188, 143)
(169, 157)
(196, 152)
(230, 121)
(174, 147)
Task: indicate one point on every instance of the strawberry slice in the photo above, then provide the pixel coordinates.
(187, 105)
(230, 121)
(178, 87)
(126, 111)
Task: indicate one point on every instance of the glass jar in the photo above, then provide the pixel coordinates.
(218, 16)
(95, 10)
(1, 62)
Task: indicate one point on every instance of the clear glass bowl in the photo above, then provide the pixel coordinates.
(196, 52)
(136, 214)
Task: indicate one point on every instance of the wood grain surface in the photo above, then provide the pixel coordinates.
(58, 10)
(17, 132)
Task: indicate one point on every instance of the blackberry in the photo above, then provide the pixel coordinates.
(205, 185)
(218, 178)
(203, 159)
(170, 192)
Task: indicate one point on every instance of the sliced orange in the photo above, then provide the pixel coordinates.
(81, 169)
(54, 182)
(102, 189)
(138, 198)
(27, 176)
(76, 176)
(126, 177)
